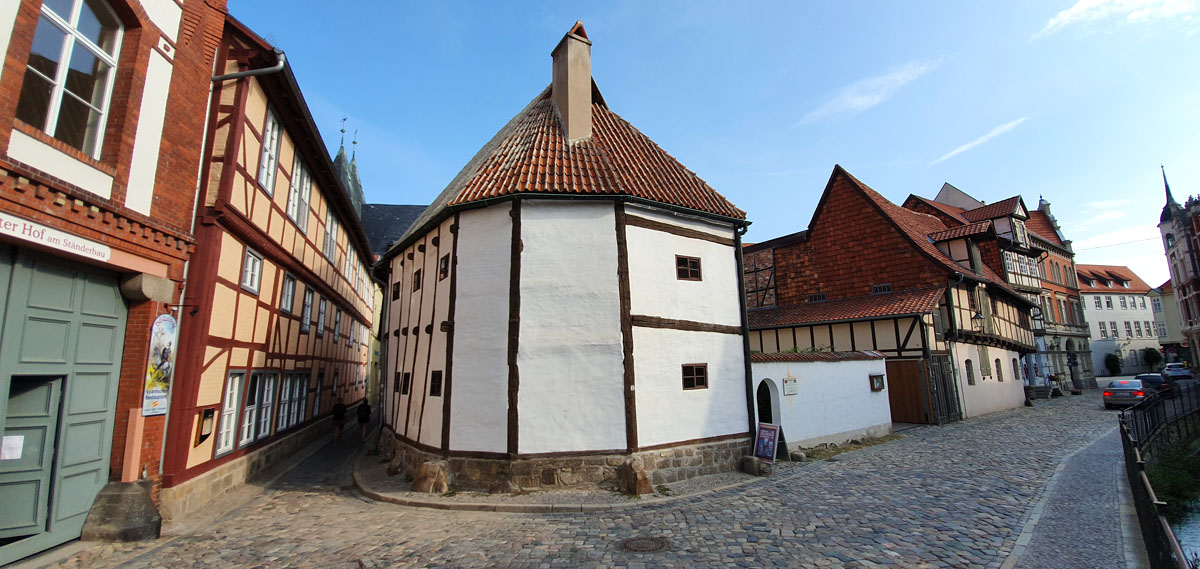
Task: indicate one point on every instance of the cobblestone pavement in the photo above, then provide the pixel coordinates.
(952, 496)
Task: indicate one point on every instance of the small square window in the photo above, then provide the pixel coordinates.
(435, 384)
(687, 268)
(695, 376)
(444, 267)
(252, 270)
(396, 291)
(416, 280)
(405, 383)
(816, 297)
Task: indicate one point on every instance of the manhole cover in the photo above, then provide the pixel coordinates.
(643, 544)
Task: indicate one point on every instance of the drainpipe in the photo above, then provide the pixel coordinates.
(282, 59)
(737, 244)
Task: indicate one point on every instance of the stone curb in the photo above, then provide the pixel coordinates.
(534, 508)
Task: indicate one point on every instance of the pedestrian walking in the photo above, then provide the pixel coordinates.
(339, 418)
(364, 417)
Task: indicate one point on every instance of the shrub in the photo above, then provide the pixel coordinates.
(1152, 356)
(1113, 363)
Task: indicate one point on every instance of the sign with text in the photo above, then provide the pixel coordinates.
(160, 366)
(26, 230)
(765, 442)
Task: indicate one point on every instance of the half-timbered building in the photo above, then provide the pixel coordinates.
(101, 114)
(870, 275)
(568, 304)
(278, 302)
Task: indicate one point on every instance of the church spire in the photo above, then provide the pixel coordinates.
(1168, 210)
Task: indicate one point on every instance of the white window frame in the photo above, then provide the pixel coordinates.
(331, 231)
(67, 25)
(306, 310)
(321, 318)
(252, 269)
(299, 193)
(227, 425)
(268, 162)
(266, 401)
(1103, 330)
(287, 296)
(337, 325)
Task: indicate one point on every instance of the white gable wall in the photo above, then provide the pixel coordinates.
(570, 357)
(833, 402)
(479, 413)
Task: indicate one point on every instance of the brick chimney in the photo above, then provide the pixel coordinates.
(571, 89)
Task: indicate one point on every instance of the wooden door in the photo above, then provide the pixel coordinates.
(905, 392)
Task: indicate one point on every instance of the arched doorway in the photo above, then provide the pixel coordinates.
(767, 397)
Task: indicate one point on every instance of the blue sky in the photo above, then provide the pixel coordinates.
(1076, 101)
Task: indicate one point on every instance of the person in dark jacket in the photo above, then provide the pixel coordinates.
(339, 418)
(364, 417)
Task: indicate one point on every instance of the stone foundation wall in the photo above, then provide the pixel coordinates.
(193, 494)
(579, 471)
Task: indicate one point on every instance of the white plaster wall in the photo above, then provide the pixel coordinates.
(479, 410)
(8, 19)
(1131, 314)
(139, 195)
(395, 308)
(165, 14)
(420, 318)
(834, 402)
(987, 395)
(572, 376)
(666, 413)
(655, 289)
(431, 417)
(59, 164)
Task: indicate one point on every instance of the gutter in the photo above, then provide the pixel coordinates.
(281, 61)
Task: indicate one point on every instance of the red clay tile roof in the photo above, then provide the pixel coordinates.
(1167, 288)
(1040, 224)
(954, 212)
(816, 356)
(917, 227)
(530, 156)
(918, 301)
(992, 211)
(962, 231)
(1098, 273)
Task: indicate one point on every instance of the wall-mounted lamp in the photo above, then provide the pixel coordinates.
(977, 320)
(195, 308)
(206, 425)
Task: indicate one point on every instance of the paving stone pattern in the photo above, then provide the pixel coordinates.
(952, 496)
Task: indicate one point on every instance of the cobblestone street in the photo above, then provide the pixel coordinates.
(953, 496)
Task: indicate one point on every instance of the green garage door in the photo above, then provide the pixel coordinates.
(62, 329)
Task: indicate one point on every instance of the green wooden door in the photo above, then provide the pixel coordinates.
(61, 320)
(27, 460)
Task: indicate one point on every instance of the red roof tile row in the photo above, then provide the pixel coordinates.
(991, 211)
(1040, 224)
(1111, 273)
(860, 355)
(961, 231)
(918, 301)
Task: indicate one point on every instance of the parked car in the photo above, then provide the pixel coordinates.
(1177, 371)
(1124, 392)
(1156, 381)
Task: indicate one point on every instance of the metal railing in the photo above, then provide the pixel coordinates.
(1148, 430)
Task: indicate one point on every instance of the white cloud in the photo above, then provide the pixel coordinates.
(993, 134)
(1133, 12)
(866, 93)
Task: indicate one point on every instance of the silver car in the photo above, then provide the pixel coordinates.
(1124, 392)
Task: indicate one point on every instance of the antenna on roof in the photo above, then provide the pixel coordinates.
(343, 131)
(354, 145)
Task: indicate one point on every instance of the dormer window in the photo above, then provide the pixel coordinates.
(883, 288)
(69, 75)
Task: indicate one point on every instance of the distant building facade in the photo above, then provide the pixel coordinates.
(1178, 226)
(1122, 322)
(870, 275)
(1166, 324)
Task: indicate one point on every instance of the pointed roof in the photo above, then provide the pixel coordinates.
(387, 222)
(1167, 212)
(917, 228)
(347, 172)
(1011, 206)
(1114, 273)
(530, 156)
(953, 212)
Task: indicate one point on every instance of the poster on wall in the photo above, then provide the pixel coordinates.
(789, 384)
(160, 366)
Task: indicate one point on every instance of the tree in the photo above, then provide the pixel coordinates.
(1113, 363)
(1153, 357)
